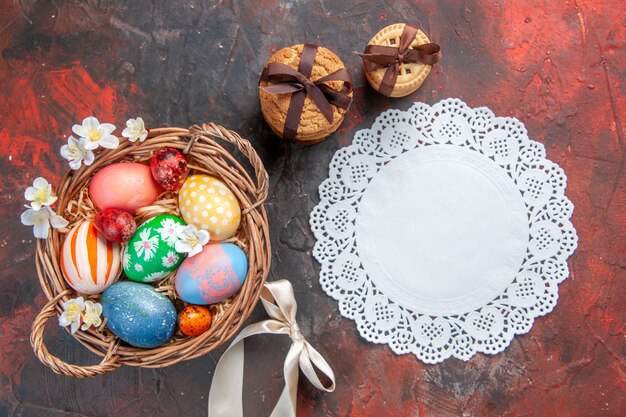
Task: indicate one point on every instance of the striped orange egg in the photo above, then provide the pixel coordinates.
(89, 262)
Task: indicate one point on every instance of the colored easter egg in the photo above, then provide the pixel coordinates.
(169, 168)
(212, 275)
(194, 320)
(138, 314)
(209, 204)
(150, 254)
(124, 185)
(89, 262)
(116, 225)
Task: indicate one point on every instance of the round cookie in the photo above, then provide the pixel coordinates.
(411, 75)
(313, 127)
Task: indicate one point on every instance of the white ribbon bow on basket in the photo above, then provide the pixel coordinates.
(225, 397)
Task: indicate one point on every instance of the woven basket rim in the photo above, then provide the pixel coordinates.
(205, 154)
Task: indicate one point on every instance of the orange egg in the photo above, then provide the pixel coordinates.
(194, 320)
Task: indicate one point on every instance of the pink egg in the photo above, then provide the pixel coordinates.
(125, 185)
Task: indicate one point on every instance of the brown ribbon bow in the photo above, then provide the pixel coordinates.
(287, 80)
(391, 57)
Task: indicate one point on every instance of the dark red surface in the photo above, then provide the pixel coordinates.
(560, 67)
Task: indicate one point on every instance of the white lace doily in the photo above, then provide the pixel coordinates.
(443, 231)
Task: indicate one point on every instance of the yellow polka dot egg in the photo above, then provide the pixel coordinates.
(209, 204)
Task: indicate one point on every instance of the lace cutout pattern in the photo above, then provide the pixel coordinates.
(549, 239)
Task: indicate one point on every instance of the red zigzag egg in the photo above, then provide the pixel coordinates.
(89, 262)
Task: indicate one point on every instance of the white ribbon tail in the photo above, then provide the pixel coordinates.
(226, 389)
(286, 405)
(225, 397)
(314, 359)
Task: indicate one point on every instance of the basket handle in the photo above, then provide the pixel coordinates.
(109, 362)
(243, 145)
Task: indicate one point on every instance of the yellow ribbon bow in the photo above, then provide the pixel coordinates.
(225, 398)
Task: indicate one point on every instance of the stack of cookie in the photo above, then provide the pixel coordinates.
(313, 126)
(306, 91)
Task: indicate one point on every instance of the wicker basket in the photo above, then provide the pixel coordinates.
(204, 155)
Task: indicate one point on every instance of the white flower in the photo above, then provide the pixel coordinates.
(72, 311)
(41, 220)
(191, 240)
(40, 194)
(126, 258)
(169, 231)
(147, 245)
(170, 260)
(155, 276)
(76, 152)
(138, 267)
(97, 134)
(135, 129)
(91, 316)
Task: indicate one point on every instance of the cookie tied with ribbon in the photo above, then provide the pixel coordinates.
(398, 59)
(305, 92)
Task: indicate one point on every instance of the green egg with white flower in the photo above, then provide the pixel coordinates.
(150, 254)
